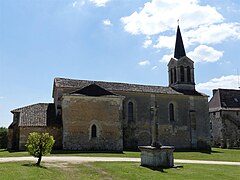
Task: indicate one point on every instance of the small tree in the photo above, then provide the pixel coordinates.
(39, 145)
(3, 137)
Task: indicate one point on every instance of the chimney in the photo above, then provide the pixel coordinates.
(214, 91)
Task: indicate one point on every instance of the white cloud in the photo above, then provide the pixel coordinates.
(227, 82)
(161, 15)
(144, 63)
(202, 53)
(201, 25)
(74, 3)
(107, 22)
(166, 58)
(78, 3)
(165, 42)
(215, 33)
(100, 3)
(1, 97)
(154, 67)
(147, 43)
(205, 53)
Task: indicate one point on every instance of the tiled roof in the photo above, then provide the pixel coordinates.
(114, 86)
(225, 98)
(93, 90)
(41, 114)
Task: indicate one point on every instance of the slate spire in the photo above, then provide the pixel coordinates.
(179, 47)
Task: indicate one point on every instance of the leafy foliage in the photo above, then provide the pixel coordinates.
(3, 137)
(39, 145)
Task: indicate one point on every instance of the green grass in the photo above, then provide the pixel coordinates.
(188, 171)
(5, 153)
(114, 170)
(96, 154)
(217, 154)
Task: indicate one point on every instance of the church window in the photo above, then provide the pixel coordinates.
(94, 131)
(188, 74)
(130, 111)
(172, 80)
(175, 75)
(171, 112)
(182, 73)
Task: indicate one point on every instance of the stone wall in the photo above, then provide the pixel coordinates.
(177, 132)
(231, 128)
(56, 132)
(13, 137)
(203, 136)
(225, 128)
(81, 113)
(216, 129)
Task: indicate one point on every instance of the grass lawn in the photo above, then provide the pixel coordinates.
(217, 154)
(5, 153)
(114, 170)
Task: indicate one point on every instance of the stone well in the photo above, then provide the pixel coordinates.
(157, 156)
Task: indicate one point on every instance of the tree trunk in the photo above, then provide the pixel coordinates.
(39, 160)
(40, 156)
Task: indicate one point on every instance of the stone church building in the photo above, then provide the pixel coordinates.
(96, 115)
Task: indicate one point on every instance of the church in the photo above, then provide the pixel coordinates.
(109, 116)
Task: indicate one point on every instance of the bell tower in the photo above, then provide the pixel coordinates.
(181, 68)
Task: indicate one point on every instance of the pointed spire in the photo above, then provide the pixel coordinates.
(179, 47)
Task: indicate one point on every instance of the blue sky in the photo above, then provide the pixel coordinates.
(112, 40)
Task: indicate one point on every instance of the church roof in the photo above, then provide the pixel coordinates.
(93, 90)
(179, 47)
(40, 114)
(115, 86)
(225, 99)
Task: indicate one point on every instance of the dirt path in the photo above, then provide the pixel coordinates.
(79, 159)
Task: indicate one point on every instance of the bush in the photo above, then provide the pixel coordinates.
(3, 137)
(39, 145)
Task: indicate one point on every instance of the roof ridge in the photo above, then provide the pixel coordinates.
(101, 81)
(30, 105)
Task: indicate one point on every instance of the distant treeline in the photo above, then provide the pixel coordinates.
(3, 137)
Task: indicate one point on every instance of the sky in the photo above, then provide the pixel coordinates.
(112, 40)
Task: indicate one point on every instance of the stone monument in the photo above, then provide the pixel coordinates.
(156, 155)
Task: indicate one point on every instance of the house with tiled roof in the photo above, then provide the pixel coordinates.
(224, 110)
(113, 116)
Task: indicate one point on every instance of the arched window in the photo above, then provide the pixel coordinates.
(94, 131)
(182, 73)
(130, 111)
(175, 75)
(188, 74)
(171, 112)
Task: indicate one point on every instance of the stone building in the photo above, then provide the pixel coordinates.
(39, 117)
(224, 110)
(96, 115)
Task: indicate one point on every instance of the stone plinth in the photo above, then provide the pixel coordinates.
(157, 156)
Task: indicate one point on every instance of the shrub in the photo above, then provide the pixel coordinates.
(3, 137)
(39, 145)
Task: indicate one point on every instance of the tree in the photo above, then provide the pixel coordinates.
(39, 145)
(3, 137)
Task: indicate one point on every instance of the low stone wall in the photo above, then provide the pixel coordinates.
(56, 132)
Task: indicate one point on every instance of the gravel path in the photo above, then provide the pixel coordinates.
(79, 159)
